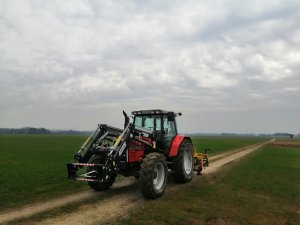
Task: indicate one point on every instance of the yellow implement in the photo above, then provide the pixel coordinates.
(201, 161)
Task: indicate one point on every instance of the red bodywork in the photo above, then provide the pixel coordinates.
(136, 150)
(175, 144)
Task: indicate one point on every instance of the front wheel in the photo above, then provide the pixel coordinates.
(105, 181)
(184, 162)
(153, 175)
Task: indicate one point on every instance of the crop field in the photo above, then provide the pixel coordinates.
(32, 167)
(261, 189)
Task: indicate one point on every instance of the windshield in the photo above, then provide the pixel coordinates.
(148, 122)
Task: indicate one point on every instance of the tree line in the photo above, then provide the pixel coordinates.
(25, 130)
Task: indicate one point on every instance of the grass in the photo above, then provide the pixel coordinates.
(262, 189)
(32, 167)
(222, 144)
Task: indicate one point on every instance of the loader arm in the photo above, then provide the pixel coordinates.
(115, 154)
(99, 140)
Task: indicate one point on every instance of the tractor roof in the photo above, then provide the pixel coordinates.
(152, 112)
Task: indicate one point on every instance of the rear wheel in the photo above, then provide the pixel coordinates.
(107, 180)
(184, 162)
(153, 175)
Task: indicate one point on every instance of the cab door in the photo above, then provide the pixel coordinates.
(169, 131)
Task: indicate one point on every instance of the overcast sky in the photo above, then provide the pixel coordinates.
(228, 66)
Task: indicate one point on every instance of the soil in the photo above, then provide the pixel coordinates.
(120, 203)
(287, 143)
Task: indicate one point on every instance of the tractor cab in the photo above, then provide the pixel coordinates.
(162, 123)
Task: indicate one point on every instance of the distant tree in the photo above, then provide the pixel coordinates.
(291, 136)
(25, 130)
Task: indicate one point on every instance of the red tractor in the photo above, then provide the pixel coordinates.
(147, 148)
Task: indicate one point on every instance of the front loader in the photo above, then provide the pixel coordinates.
(147, 148)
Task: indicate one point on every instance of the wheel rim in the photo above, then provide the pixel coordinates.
(159, 176)
(187, 161)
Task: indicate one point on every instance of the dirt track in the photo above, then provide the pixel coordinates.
(120, 204)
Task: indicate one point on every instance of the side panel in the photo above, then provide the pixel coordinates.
(175, 144)
(135, 156)
(135, 152)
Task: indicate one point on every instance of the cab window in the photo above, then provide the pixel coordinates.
(149, 123)
(169, 127)
(146, 122)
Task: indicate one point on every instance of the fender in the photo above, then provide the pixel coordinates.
(176, 143)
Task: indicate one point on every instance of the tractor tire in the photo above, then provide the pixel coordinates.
(183, 164)
(153, 175)
(99, 186)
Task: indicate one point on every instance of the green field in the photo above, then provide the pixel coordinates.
(261, 189)
(32, 167)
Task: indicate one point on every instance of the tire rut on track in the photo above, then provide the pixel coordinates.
(120, 204)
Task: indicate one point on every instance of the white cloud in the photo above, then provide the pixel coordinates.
(224, 56)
